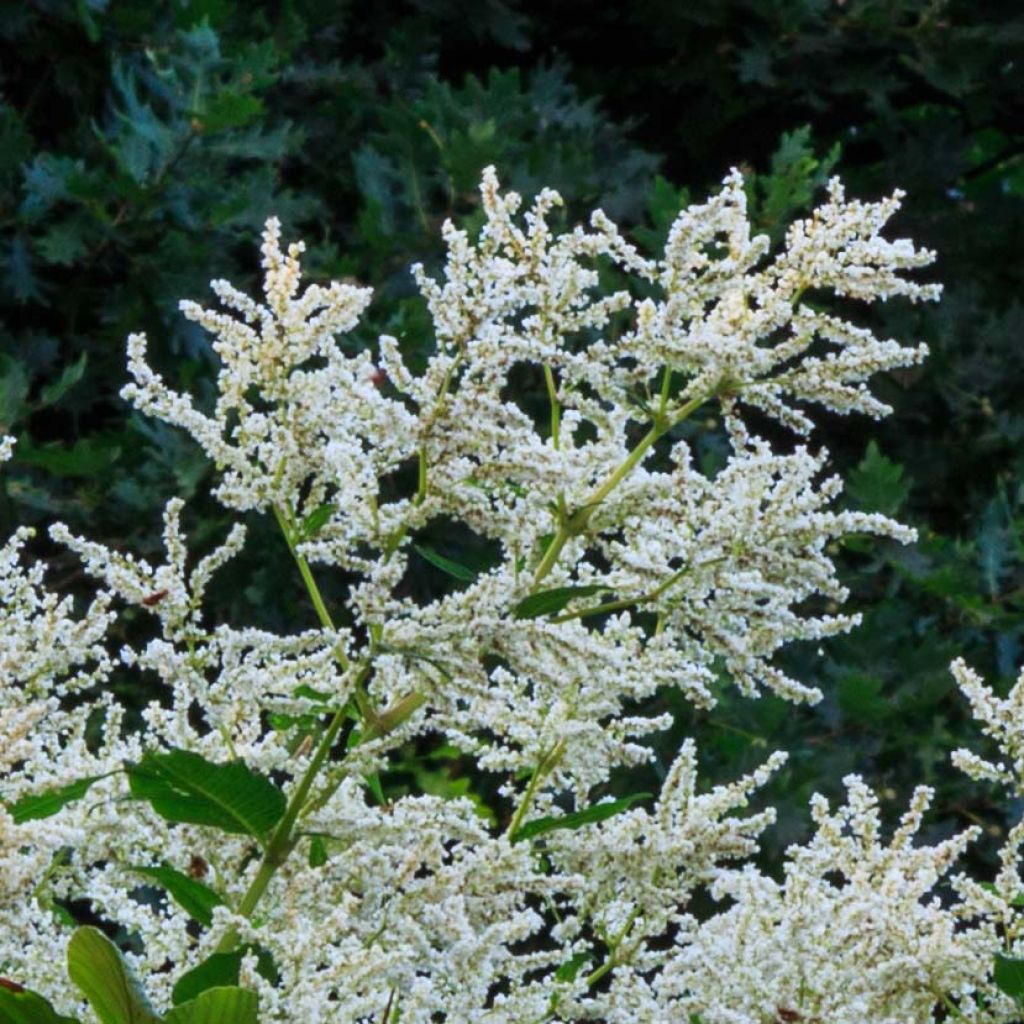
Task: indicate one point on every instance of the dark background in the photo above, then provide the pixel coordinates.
(142, 145)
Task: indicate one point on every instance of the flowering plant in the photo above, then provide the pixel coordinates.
(236, 849)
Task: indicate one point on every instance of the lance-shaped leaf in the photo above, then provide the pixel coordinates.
(224, 1005)
(446, 565)
(548, 602)
(184, 787)
(196, 899)
(20, 1006)
(49, 802)
(577, 819)
(109, 985)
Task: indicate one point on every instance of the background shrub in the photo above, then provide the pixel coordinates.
(142, 146)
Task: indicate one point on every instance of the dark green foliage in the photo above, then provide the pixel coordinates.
(142, 145)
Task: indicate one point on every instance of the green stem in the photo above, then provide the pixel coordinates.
(421, 480)
(377, 724)
(951, 1006)
(392, 543)
(613, 949)
(666, 384)
(284, 520)
(556, 423)
(573, 525)
(543, 769)
(281, 842)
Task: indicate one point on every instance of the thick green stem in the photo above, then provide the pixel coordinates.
(282, 842)
(666, 385)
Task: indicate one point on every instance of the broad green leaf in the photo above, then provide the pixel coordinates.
(547, 602)
(216, 971)
(1009, 977)
(577, 819)
(460, 572)
(96, 966)
(184, 787)
(223, 1005)
(196, 899)
(20, 1006)
(220, 970)
(49, 802)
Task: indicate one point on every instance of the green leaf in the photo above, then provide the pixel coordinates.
(796, 172)
(97, 967)
(48, 803)
(318, 696)
(13, 391)
(315, 521)
(230, 110)
(216, 971)
(223, 1005)
(460, 572)
(547, 602)
(20, 1006)
(1017, 901)
(588, 816)
(88, 457)
(1009, 977)
(877, 484)
(69, 377)
(220, 970)
(184, 787)
(196, 899)
(63, 245)
(861, 697)
(572, 967)
(317, 852)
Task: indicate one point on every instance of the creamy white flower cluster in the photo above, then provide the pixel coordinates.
(619, 569)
